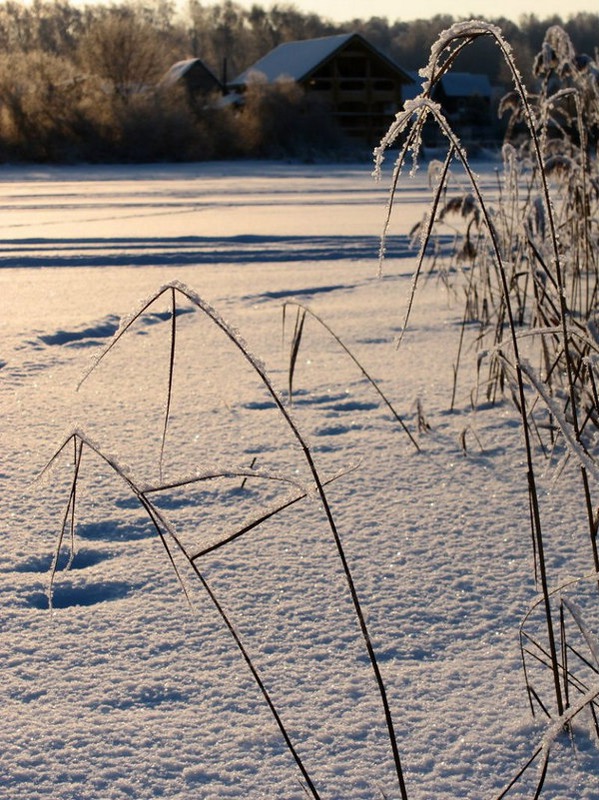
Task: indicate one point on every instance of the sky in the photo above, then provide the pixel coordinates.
(343, 10)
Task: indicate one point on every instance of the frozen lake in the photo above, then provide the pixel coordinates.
(123, 691)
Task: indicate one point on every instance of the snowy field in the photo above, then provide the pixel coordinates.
(124, 690)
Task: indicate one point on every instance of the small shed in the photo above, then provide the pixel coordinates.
(362, 87)
(469, 102)
(466, 97)
(195, 76)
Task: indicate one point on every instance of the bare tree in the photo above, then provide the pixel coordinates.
(124, 50)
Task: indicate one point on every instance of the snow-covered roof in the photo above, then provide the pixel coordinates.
(181, 68)
(296, 60)
(178, 70)
(466, 84)
(455, 84)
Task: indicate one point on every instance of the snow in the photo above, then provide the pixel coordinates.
(294, 59)
(125, 691)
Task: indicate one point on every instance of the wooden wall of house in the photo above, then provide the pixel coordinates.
(363, 91)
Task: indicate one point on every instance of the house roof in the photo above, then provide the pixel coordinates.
(455, 84)
(182, 68)
(297, 60)
(466, 84)
(415, 88)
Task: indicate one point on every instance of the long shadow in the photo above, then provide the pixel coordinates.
(163, 251)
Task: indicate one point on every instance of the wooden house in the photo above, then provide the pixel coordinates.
(362, 87)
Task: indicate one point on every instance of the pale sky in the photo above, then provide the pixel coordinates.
(344, 10)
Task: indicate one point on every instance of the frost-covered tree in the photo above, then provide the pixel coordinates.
(125, 50)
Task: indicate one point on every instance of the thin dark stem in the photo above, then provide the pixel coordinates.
(162, 526)
(460, 346)
(520, 772)
(253, 524)
(423, 108)
(300, 319)
(426, 235)
(305, 310)
(171, 372)
(543, 775)
(532, 488)
(164, 529)
(69, 514)
(259, 368)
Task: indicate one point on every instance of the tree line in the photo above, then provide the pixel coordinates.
(84, 83)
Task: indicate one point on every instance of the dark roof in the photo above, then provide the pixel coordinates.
(298, 60)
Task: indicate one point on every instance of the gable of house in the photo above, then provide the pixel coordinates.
(361, 87)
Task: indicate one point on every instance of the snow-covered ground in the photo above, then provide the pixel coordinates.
(124, 691)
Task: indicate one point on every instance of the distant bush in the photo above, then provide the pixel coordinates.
(280, 120)
(51, 112)
(41, 107)
(156, 126)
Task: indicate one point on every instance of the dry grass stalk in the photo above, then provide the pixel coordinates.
(169, 537)
(528, 265)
